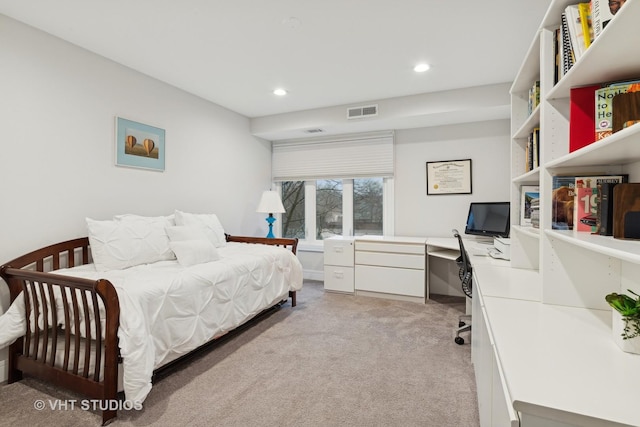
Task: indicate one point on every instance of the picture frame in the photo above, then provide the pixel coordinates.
(139, 145)
(529, 205)
(449, 177)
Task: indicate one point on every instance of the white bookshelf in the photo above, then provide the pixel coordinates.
(576, 269)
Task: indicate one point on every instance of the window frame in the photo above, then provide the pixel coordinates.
(310, 243)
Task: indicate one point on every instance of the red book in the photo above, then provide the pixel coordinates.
(582, 106)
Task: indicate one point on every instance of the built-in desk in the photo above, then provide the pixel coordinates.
(442, 278)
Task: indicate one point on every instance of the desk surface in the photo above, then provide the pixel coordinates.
(559, 362)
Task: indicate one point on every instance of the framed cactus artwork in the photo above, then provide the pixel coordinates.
(139, 145)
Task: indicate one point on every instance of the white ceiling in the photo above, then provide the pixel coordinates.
(325, 52)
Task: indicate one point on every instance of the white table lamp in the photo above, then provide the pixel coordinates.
(270, 203)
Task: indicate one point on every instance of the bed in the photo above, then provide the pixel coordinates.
(100, 314)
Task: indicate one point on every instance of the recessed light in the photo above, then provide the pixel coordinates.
(280, 92)
(421, 68)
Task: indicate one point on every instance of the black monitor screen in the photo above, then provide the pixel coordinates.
(488, 219)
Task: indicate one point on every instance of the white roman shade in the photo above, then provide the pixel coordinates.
(350, 156)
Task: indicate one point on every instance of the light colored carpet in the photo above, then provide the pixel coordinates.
(334, 360)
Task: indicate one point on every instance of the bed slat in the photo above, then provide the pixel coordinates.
(54, 326)
(87, 334)
(67, 331)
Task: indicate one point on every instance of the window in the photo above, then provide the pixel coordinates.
(293, 199)
(328, 208)
(319, 209)
(337, 185)
(367, 206)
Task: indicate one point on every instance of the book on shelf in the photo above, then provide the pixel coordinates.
(557, 52)
(585, 20)
(600, 16)
(604, 209)
(567, 52)
(585, 209)
(626, 211)
(534, 97)
(603, 102)
(602, 13)
(572, 12)
(563, 196)
(625, 110)
(529, 202)
(532, 152)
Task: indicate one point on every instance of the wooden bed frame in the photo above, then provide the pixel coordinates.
(36, 352)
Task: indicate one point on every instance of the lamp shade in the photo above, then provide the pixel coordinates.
(270, 203)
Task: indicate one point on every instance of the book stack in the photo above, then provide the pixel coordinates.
(581, 24)
(575, 203)
(532, 154)
(575, 27)
(597, 111)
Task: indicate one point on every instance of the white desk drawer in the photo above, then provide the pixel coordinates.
(398, 281)
(384, 259)
(338, 278)
(398, 248)
(338, 252)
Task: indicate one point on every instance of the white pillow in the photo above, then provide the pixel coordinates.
(132, 241)
(171, 218)
(208, 221)
(178, 233)
(192, 252)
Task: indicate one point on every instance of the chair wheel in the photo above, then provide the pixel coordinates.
(461, 324)
(459, 340)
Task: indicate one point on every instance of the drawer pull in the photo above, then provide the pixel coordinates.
(338, 274)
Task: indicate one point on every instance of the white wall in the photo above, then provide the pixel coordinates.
(485, 143)
(58, 104)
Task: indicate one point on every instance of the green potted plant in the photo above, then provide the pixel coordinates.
(626, 320)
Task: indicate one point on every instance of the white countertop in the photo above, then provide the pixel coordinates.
(559, 362)
(392, 239)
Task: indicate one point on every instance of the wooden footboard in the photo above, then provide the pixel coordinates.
(291, 244)
(59, 346)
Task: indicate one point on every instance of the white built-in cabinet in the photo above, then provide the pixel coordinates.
(338, 264)
(379, 266)
(542, 347)
(391, 267)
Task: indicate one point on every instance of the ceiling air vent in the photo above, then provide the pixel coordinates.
(361, 112)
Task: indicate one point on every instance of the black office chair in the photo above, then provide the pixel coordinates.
(466, 278)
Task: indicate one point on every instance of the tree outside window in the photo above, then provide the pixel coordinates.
(367, 206)
(329, 208)
(293, 200)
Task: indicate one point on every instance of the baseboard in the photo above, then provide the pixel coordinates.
(313, 275)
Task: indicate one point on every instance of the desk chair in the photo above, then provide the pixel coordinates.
(466, 282)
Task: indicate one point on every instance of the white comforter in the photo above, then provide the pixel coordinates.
(167, 310)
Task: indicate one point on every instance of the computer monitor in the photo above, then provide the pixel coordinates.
(490, 219)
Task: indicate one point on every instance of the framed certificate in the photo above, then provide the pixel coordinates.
(449, 177)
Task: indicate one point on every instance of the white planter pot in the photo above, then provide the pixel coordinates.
(617, 327)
